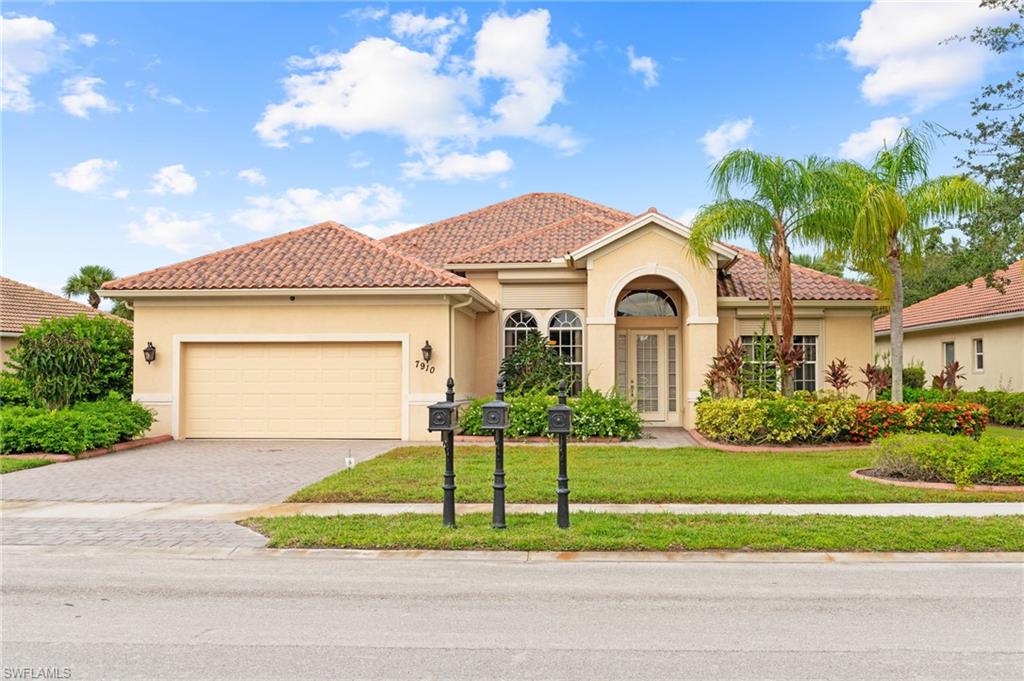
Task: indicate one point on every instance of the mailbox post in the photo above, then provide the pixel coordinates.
(560, 423)
(495, 417)
(442, 419)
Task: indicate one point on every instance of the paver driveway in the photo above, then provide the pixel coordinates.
(193, 470)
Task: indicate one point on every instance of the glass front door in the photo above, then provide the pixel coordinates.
(648, 374)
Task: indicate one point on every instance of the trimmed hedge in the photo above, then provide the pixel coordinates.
(932, 457)
(781, 420)
(85, 426)
(595, 414)
(1005, 407)
(13, 391)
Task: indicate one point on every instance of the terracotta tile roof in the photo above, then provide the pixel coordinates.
(543, 243)
(444, 241)
(22, 305)
(746, 279)
(325, 255)
(966, 302)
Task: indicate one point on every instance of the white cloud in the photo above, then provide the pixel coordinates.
(387, 229)
(432, 99)
(87, 176)
(903, 45)
(30, 47)
(358, 159)
(173, 179)
(154, 93)
(368, 13)
(253, 176)
(458, 166)
(122, 193)
(687, 216)
(161, 227)
(645, 66)
(860, 146)
(438, 32)
(726, 137)
(80, 96)
(351, 206)
(88, 39)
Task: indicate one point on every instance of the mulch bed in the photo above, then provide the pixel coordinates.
(703, 441)
(869, 474)
(90, 453)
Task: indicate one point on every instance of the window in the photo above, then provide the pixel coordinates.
(948, 353)
(979, 354)
(646, 304)
(517, 326)
(805, 376)
(566, 334)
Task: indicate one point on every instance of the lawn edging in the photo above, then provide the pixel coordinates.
(703, 441)
(862, 474)
(92, 453)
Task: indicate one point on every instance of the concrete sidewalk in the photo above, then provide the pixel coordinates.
(149, 511)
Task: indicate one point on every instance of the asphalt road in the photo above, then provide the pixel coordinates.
(148, 614)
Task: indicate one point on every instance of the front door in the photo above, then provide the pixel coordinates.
(647, 373)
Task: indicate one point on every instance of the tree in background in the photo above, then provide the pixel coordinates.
(534, 365)
(88, 281)
(885, 221)
(829, 263)
(788, 202)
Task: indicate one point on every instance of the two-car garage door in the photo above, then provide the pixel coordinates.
(292, 390)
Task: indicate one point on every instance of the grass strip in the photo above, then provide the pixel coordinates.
(620, 475)
(11, 465)
(648, 532)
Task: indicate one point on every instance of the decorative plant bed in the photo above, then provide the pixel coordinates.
(90, 453)
(703, 441)
(866, 474)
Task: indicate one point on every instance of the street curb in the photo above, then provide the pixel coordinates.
(525, 557)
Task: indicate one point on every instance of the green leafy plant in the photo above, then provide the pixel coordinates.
(87, 281)
(87, 425)
(535, 365)
(913, 377)
(13, 391)
(931, 457)
(595, 414)
(103, 361)
(1005, 407)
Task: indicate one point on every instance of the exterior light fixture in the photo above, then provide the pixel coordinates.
(149, 352)
(427, 351)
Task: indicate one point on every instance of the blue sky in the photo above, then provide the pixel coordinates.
(135, 135)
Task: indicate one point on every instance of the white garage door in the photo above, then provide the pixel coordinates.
(292, 390)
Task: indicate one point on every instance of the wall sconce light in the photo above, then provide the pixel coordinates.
(427, 351)
(149, 352)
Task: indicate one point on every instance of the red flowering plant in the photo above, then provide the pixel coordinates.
(872, 420)
(949, 418)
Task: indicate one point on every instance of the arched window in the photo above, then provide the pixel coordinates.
(646, 304)
(517, 326)
(565, 331)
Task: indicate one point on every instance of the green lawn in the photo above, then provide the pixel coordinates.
(613, 474)
(11, 465)
(1005, 432)
(649, 532)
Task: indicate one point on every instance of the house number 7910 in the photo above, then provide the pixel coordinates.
(423, 366)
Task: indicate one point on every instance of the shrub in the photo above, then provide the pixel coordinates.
(87, 425)
(594, 415)
(534, 365)
(917, 395)
(913, 377)
(880, 419)
(837, 375)
(933, 457)
(44, 347)
(1006, 408)
(13, 391)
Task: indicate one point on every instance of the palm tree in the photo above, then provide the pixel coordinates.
(788, 201)
(885, 225)
(87, 282)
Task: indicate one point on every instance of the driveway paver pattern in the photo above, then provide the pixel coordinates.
(144, 533)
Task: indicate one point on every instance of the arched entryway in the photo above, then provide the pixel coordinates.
(649, 314)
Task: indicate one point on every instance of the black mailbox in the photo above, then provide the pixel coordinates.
(442, 417)
(495, 416)
(560, 419)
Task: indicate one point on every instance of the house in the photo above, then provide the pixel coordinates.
(22, 305)
(323, 332)
(978, 326)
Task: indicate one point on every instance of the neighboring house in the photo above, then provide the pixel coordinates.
(22, 305)
(321, 332)
(979, 327)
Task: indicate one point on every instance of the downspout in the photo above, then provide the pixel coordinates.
(451, 333)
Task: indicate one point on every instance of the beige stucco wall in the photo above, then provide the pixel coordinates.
(1004, 352)
(652, 250)
(6, 343)
(413, 319)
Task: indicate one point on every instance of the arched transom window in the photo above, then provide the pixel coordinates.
(517, 326)
(565, 332)
(646, 304)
